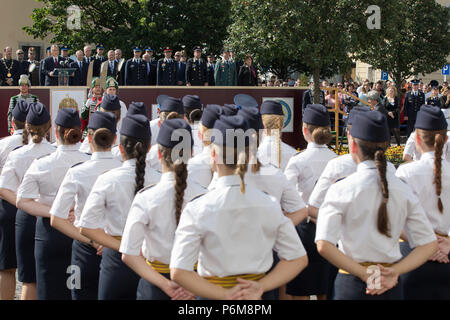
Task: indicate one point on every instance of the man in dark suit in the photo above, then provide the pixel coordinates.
(196, 70)
(210, 68)
(308, 96)
(41, 67)
(80, 74)
(65, 55)
(98, 60)
(166, 70)
(181, 69)
(413, 101)
(112, 65)
(23, 63)
(50, 64)
(120, 67)
(150, 70)
(136, 70)
(151, 81)
(9, 69)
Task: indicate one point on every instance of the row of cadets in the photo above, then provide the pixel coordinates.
(106, 209)
(303, 171)
(35, 195)
(366, 213)
(429, 179)
(155, 214)
(8, 263)
(37, 126)
(223, 227)
(73, 193)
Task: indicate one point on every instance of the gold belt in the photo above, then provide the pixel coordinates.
(117, 238)
(367, 264)
(159, 266)
(231, 281)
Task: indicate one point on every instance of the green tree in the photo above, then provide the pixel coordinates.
(124, 23)
(416, 39)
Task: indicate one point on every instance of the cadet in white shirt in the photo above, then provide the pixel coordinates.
(105, 212)
(429, 178)
(410, 153)
(303, 170)
(154, 216)
(72, 195)
(52, 249)
(168, 106)
(272, 150)
(199, 167)
(37, 125)
(8, 261)
(193, 113)
(232, 231)
(156, 123)
(110, 103)
(366, 213)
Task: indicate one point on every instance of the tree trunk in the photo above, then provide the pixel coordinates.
(316, 74)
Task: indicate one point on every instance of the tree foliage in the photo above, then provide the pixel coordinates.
(124, 23)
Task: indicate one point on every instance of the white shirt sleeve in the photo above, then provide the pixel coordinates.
(93, 215)
(291, 172)
(9, 179)
(136, 226)
(329, 222)
(290, 198)
(288, 244)
(187, 241)
(29, 188)
(410, 146)
(325, 181)
(65, 198)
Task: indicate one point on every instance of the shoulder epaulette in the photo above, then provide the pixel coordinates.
(77, 164)
(147, 187)
(196, 197)
(340, 179)
(299, 152)
(46, 155)
(18, 147)
(89, 154)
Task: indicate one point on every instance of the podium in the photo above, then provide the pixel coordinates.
(63, 75)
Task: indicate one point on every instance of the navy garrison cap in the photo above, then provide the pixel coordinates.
(245, 101)
(171, 104)
(431, 118)
(20, 111)
(317, 115)
(192, 102)
(211, 113)
(166, 136)
(68, 118)
(253, 118)
(354, 112)
(103, 120)
(225, 125)
(37, 114)
(272, 107)
(370, 126)
(110, 102)
(229, 110)
(161, 98)
(137, 108)
(136, 126)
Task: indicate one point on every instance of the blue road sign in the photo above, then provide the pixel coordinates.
(384, 76)
(446, 70)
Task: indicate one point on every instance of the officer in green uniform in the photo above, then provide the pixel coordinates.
(225, 71)
(24, 86)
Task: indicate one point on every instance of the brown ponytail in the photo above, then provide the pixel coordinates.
(274, 123)
(37, 133)
(102, 138)
(18, 124)
(69, 135)
(195, 115)
(240, 162)
(436, 140)
(135, 149)
(375, 151)
(320, 135)
(179, 167)
(163, 116)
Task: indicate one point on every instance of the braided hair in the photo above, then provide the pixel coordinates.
(275, 124)
(136, 149)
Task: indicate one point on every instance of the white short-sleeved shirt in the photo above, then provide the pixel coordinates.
(272, 180)
(20, 160)
(335, 170)
(419, 175)
(199, 167)
(111, 196)
(115, 152)
(268, 152)
(350, 211)
(151, 222)
(78, 183)
(231, 233)
(8, 144)
(410, 148)
(305, 168)
(152, 158)
(44, 176)
(154, 128)
(198, 144)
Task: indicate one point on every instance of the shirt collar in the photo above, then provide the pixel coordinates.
(129, 163)
(427, 155)
(168, 177)
(228, 181)
(312, 145)
(102, 155)
(366, 165)
(69, 147)
(18, 132)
